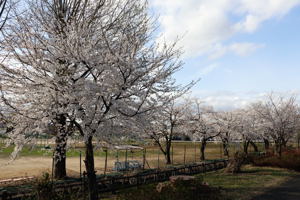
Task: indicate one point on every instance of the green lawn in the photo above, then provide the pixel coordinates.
(251, 182)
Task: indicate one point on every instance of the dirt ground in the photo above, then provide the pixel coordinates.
(35, 166)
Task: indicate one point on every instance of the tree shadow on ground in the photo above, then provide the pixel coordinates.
(288, 190)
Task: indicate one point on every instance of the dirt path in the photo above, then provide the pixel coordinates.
(289, 190)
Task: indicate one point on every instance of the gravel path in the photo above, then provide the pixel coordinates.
(290, 190)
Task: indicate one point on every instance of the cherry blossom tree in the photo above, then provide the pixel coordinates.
(84, 63)
(34, 80)
(280, 117)
(4, 11)
(201, 124)
(247, 128)
(262, 131)
(226, 123)
(164, 124)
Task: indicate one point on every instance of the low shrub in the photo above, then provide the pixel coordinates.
(44, 189)
(179, 190)
(290, 159)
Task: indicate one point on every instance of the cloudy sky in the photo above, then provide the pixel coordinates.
(241, 49)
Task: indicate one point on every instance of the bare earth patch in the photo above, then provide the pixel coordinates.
(35, 166)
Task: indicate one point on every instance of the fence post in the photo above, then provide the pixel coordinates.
(158, 158)
(195, 152)
(117, 155)
(80, 164)
(184, 154)
(52, 172)
(144, 157)
(172, 155)
(221, 156)
(105, 164)
(126, 154)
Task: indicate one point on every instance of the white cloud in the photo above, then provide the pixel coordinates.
(208, 69)
(240, 49)
(226, 100)
(229, 100)
(206, 24)
(244, 49)
(257, 11)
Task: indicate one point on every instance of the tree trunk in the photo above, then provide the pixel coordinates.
(167, 151)
(225, 147)
(278, 147)
(254, 146)
(246, 145)
(60, 157)
(168, 156)
(280, 150)
(202, 149)
(284, 143)
(267, 145)
(235, 163)
(90, 169)
(60, 148)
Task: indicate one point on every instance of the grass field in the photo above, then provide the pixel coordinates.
(252, 182)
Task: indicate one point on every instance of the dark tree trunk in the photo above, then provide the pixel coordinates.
(225, 147)
(267, 145)
(60, 158)
(278, 147)
(167, 151)
(168, 156)
(90, 169)
(284, 143)
(254, 146)
(280, 150)
(202, 149)
(60, 148)
(246, 145)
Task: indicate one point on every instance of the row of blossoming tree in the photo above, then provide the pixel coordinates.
(85, 66)
(275, 119)
(95, 68)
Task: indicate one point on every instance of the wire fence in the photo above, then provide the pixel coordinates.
(150, 157)
(113, 183)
